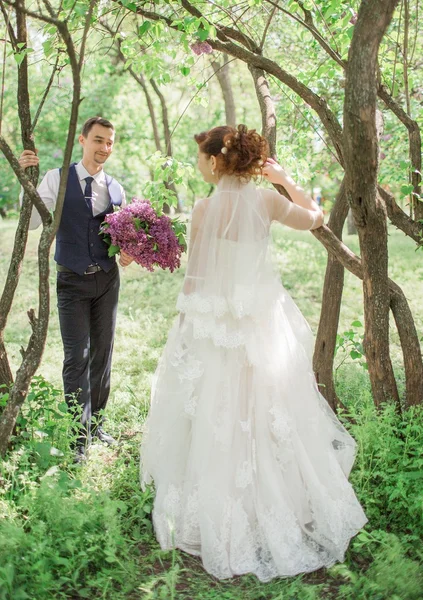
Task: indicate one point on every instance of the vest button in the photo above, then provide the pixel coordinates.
(91, 244)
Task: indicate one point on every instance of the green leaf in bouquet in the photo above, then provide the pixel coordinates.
(137, 223)
(182, 242)
(107, 239)
(113, 250)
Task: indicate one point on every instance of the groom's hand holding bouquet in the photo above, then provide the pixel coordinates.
(144, 235)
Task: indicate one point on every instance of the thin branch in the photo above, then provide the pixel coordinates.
(324, 21)
(3, 76)
(25, 182)
(308, 23)
(194, 96)
(405, 55)
(12, 35)
(165, 117)
(39, 16)
(85, 34)
(50, 9)
(46, 92)
(400, 219)
(306, 118)
(415, 32)
(266, 28)
(396, 52)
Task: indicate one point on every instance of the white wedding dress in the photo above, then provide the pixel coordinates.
(250, 465)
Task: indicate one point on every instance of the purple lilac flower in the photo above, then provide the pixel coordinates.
(201, 48)
(149, 238)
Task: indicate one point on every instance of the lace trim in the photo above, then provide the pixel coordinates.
(208, 328)
(242, 305)
(237, 535)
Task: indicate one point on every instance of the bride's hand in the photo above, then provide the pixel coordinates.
(273, 171)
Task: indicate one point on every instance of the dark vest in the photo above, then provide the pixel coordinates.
(78, 243)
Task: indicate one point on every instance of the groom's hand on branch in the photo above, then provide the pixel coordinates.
(125, 259)
(28, 158)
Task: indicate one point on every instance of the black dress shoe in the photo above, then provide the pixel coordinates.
(105, 437)
(80, 455)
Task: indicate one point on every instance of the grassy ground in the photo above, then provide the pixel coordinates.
(87, 533)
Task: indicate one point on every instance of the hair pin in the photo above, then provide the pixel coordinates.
(224, 150)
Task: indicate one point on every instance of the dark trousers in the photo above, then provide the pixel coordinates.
(87, 313)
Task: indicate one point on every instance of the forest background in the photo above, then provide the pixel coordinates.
(337, 87)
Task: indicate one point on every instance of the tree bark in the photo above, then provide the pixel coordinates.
(267, 108)
(324, 350)
(410, 345)
(223, 76)
(361, 151)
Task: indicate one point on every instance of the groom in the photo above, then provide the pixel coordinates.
(87, 279)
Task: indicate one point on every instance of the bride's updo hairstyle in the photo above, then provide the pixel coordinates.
(241, 152)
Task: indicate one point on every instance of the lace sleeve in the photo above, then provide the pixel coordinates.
(290, 214)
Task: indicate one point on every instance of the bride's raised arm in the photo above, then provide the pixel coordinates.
(302, 213)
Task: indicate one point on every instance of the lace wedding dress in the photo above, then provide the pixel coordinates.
(249, 463)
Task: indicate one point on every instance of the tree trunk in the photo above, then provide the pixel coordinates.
(410, 345)
(361, 158)
(223, 76)
(21, 235)
(324, 350)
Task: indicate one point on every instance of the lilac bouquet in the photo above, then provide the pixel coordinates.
(151, 239)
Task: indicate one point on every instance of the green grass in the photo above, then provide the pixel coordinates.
(79, 533)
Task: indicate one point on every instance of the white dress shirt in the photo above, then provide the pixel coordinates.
(49, 188)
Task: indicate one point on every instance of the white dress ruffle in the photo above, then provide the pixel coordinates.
(249, 462)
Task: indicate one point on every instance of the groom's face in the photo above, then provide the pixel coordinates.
(98, 145)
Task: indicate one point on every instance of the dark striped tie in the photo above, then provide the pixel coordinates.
(89, 193)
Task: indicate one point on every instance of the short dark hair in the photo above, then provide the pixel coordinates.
(89, 124)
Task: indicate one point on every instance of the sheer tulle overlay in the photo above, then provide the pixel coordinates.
(250, 464)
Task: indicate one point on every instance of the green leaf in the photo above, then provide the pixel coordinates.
(185, 71)
(354, 354)
(19, 58)
(202, 34)
(406, 189)
(356, 324)
(113, 250)
(146, 26)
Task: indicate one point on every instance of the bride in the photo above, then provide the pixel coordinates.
(250, 465)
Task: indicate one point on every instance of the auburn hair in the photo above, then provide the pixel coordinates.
(239, 151)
